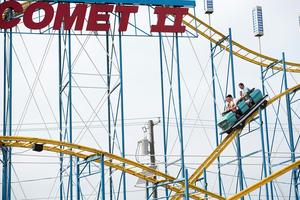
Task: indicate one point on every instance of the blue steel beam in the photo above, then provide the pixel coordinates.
(7, 114)
(212, 51)
(180, 109)
(267, 134)
(291, 136)
(122, 109)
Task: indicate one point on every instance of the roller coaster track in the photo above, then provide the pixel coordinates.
(137, 169)
(240, 51)
(215, 36)
(111, 160)
(161, 179)
(216, 153)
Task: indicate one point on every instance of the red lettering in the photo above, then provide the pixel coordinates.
(16, 6)
(95, 17)
(125, 10)
(27, 18)
(162, 14)
(63, 13)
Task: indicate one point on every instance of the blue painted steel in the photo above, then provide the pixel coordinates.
(4, 150)
(147, 191)
(102, 178)
(10, 113)
(70, 114)
(122, 110)
(289, 115)
(60, 113)
(108, 71)
(264, 166)
(266, 129)
(250, 154)
(77, 179)
(187, 197)
(188, 3)
(231, 62)
(180, 110)
(240, 173)
(215, 112)
(163, 108)
(7, 117)
(205, 181)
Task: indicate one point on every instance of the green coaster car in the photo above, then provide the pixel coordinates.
(229, 121)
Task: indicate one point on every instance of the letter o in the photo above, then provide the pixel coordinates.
(27, 18)
(16, 6)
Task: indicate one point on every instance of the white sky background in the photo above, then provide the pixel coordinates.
(142, 96)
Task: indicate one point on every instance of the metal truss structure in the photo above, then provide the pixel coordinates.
(103, 173)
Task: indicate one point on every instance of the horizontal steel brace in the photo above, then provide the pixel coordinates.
(89, 159)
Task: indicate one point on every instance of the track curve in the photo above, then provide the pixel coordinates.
(229, 138)
(111, 160)
(238, 50)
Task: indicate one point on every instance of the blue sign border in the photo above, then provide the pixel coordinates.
(181, 3)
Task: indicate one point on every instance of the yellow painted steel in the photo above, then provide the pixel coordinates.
(247, 54)
(117, 162)
(111, 160)
(214, 155)
(265, 181)
(215, 36)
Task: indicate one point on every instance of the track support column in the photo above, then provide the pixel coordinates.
(290, 126)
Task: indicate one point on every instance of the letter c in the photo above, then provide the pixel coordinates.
(16, 6)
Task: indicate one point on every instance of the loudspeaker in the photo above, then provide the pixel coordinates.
(37, 147)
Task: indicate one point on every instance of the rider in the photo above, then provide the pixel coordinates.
(232, 105)
(245, 94)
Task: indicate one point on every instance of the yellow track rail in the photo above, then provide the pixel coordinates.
(247, 54)
(117, 162)
(215, 36)
(111, 160)
(214, 155)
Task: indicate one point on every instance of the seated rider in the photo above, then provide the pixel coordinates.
(245, 95)
(232, 105)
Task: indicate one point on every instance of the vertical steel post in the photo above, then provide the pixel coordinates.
(267, 134)
(70, 114)
(77, 179)
(263, 151)
(4, 149)
(163, 108)
(108, 109)
(147, 191)
(231, 59)
(238, 142)
(290, 124)
(205, 181)
(215, 114)
(10, 113)
(180, 109)
(7, 115)
(215, 108)
(60, 114)
(186, 177)
(102, 178)
(122, 110)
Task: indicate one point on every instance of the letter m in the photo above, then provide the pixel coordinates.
(63, 15)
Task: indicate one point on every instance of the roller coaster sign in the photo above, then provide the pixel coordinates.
(98, 19)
